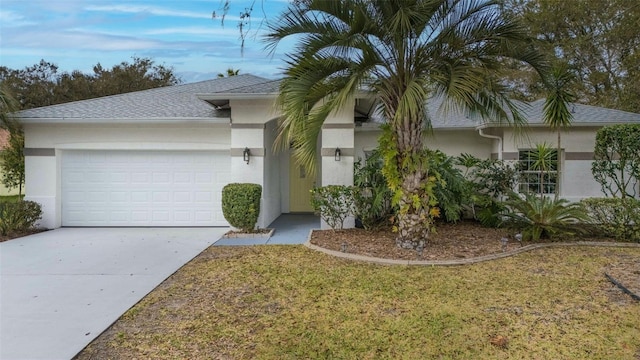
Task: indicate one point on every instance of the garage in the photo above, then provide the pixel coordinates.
(143, 188)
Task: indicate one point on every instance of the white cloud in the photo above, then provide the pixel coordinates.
(11, 18)
(152, 10)
(62, 40)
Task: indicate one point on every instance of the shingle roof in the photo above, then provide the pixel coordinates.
(182, 102)
(179, 101)
(583, 115)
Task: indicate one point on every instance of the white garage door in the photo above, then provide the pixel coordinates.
(143, 188)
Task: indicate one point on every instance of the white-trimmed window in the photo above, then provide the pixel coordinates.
(533, 178)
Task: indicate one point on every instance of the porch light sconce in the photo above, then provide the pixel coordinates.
(337, 155)
(246, 155)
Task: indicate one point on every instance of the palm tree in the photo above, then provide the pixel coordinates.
(404, 51)
(230, 72)
(556, 113)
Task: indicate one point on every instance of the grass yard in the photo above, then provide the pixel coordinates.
(10, 198)
(288, 302)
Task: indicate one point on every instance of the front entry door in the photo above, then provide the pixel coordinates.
(300, 185)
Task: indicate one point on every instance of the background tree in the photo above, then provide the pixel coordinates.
(12, 161)
(43, 85)
(230, 72)
(33, 86)
(12, 157)
(597, 38)
(405, 51)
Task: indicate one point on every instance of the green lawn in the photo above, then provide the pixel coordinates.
(288, 302)
(10, 198)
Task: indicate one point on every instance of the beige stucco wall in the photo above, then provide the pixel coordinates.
(574, 139)
(253, 111)
(134, 136)
(452, 143)
(271, 191)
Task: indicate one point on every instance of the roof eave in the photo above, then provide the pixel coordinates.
(156, 120)
(539, 125)
(236, 96)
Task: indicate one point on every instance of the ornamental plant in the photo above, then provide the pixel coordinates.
(241, 205)
(334, 203)
(543, 217)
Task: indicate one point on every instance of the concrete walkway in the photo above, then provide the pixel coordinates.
(290, 229)
(60, 289)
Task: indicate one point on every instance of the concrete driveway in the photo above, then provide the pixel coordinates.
(60, 289)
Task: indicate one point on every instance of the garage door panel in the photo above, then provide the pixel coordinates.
(143, 188)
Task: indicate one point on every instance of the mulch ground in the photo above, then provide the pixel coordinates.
(14, 235)
(462, 240)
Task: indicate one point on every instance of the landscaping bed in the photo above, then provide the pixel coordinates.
(14, 235)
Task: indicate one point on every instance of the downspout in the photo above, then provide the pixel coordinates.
(495, 137)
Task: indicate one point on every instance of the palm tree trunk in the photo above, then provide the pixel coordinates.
(413, 222)
(413, 216)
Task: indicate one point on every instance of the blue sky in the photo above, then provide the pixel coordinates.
(77, 34)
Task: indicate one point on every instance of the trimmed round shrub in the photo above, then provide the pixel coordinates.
(241, 205)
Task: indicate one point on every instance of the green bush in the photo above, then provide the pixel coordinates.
(18, 216)
(371, 195)
(542, 217)
(241, 205)
(334, 203)
(615, 217)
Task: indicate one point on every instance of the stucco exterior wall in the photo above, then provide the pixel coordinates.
(271, 191)
(253, 111)
(574, 139)
(452, 143)
(135, 136)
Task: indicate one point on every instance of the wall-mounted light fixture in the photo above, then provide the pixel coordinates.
(337, 155)
(246, 155)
